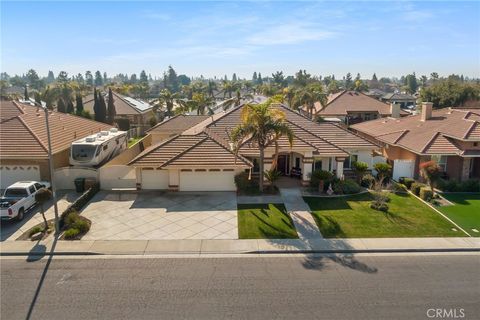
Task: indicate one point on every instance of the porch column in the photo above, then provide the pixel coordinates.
(138, 177)
(307, 163)
(465, 168)
(340, 167)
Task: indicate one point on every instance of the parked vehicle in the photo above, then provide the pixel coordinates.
(19, 198)
(97, 149)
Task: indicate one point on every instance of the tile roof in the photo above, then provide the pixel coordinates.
(8, 109)
(438, 135)
(177, 124)
(206, 143)
(345, 102)
(188, 151)
(398, 96)
(25, 135)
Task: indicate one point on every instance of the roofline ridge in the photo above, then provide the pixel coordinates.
(226, 113)
(163, 122)
(121, 97)
(246, 161)
(15, 103)
(340, 94)
(184, 151)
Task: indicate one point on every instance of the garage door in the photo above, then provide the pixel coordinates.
(403, 168)
(207, 181)
(11, 174)
(155, 179)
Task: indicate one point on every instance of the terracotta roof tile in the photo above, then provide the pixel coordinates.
(178, 124)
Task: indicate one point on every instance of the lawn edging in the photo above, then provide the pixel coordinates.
(439, 212)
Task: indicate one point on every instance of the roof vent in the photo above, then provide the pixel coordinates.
(104, 133)
(90, 139)
(113, 130)
(99, 135)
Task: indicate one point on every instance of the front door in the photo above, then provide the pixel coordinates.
(282, 164)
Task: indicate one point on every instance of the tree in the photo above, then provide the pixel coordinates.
(211, 87)
(236, 100)
(98, 79)
(360, 169)
(33, 79)
(262, 125)
(111, 107)
(101, 113)
(41, 197)
(172, 80)
(360, 86)
(302, 78)
(348, 81)
(431, 172)
(333, 87)
(168, 99)
(307, 97)
(25, 93)
(79, 103)
(254, 77)
(384, 171)
(424, 81)
(201, 103)
(234, 77)
(62, 77)
(450, 93)
(411, 83)
(434, 76)
(89, 78)
(70, 108)
(61, 105)
(228, 88)
(50, 77)
(272, 176)
(143, 77)
(279, 79)
(105, 79)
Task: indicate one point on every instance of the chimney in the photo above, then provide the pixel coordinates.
(426, 110)
(395, 110)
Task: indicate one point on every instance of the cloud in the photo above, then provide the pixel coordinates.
(292, 33)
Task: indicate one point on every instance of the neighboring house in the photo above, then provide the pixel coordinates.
(201, 157)
(404, 100)
(138, 112)
(24, 144)
(451, 137)
(353, 107)
(375, 93)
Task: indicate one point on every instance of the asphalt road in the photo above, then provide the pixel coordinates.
(367, 287)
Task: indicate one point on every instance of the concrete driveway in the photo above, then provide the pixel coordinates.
(162, 215)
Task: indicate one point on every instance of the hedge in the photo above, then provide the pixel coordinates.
(416, 186)
(78, 204)
(471, 185)
(426, 194)
(406, 181)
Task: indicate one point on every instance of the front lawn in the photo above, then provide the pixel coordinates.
(465, 212)
(265, 221)
(352, 217)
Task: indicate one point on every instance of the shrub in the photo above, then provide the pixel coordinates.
(407, 182)
(244, 184)
(360, 169)
(426, 194)
(71, 218)
(81, 225)
(470, 186)
(346, 187)
(415, 188)
(320, 175)
(71, 233)
(367, 181)
(381, 196)
(78, 204)
(34, 230)
(379, 206)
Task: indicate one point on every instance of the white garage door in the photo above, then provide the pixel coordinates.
(155, 179)
(11, 174)
(207, 181)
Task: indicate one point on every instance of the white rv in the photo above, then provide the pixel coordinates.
(97, 149)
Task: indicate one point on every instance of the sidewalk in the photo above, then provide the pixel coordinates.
(299, 211)
(152, 247)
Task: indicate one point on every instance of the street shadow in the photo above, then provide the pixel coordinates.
(38, 252)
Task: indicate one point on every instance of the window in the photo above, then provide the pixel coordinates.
(317, 165)
(347, 164)
(256, 166)
(105, 147)
(32, 189)
(367, 116)
(441, 161)
(38, 186)
(297, 162)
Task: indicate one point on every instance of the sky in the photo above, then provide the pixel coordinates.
(221, 38)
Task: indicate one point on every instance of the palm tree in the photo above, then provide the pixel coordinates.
(289, 96)
(168, 99)
(202, 103)
(211, 87)
(261, 124)
(308, 96)
(236, 100)
(228, 88)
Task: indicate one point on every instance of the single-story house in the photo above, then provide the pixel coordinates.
(353, 107)
(375, 93)
(449, 136)
(24, 144)
(138, 112)
(403, 99)
(201, 157)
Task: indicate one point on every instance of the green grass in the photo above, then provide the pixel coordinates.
(265, 221)
(352, 217)
(133, 141)
(465, 212)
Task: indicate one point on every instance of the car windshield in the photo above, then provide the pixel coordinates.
(15, 193)
(83, 152)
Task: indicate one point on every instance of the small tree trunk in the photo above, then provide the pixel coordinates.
(44, 218)
(260, 183)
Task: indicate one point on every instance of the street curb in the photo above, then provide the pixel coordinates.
(266, 252)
